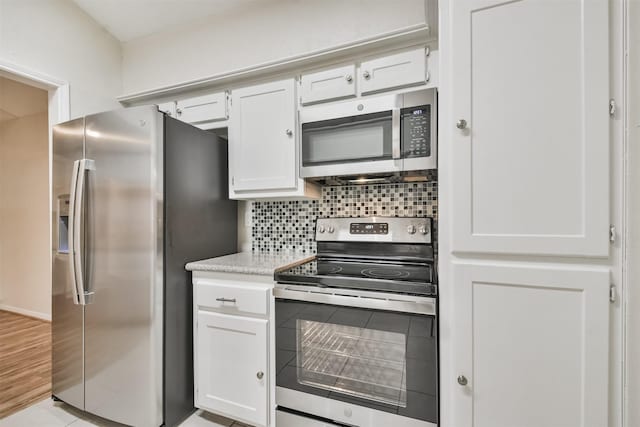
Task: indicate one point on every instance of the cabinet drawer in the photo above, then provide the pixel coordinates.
(329, 84)
(203, 109)
(287, 419)
(232, 297)
(401, 69)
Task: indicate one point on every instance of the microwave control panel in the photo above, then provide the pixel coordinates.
(416, 131)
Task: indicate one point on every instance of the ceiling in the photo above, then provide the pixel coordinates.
(130, 19)
(19, 100)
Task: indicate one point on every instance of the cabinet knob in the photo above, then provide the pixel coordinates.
(260, 374)
(461, 124)
(462, 380)
(178, 112)
(348, 78)
(289, 132)
(366, 75)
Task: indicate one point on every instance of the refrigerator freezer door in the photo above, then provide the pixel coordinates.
(67, 315)
(123, 315)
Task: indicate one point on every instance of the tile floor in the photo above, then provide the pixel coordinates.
(48, 413)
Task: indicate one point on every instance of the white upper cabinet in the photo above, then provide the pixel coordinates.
(531, 346)
(397, 70)
(328, 85)
(263, 161)
(201, 110)
(530, 127)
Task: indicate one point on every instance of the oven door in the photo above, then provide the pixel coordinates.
(360, 358)
(351, 138)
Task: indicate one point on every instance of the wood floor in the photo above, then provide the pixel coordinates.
(25, 361)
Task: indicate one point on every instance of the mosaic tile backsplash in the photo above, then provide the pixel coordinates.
(290, 225)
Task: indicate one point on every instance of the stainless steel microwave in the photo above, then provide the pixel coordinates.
(386, 134)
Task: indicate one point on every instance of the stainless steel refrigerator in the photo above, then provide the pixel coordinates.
(136, 195)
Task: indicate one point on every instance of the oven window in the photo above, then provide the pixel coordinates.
(358, 138)
(377, 359)
(365, 363)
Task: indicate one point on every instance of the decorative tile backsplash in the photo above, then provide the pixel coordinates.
(290, 225)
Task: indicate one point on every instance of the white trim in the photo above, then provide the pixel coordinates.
(419, 33)
(26, 312)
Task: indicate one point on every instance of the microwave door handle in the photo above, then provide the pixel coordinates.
(72, 230)
(395, 133)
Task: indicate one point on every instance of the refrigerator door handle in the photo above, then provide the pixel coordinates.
(72, 230)
(78, 213)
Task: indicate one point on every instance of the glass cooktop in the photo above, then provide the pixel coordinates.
(402, 277)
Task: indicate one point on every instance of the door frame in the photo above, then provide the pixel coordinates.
(58, 111)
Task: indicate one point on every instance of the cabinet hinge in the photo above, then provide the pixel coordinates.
(612, 293)
(427, 51)
(612, 107)
(612, 233)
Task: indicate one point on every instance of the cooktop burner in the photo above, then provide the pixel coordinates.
(382, 273)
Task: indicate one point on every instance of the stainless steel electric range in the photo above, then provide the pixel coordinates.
(356, 328)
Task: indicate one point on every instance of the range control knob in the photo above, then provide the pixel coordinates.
(423, 230)
(411, 229)
(321, 229)
(330, 229)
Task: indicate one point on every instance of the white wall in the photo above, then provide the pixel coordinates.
(25, 280)
(256, 34)
(56, 38)
(633, 254)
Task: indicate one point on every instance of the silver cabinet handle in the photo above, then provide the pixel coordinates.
(461, 124)
(462, 380)
(260, 374)
(348, 78)
(226, 300)
(366, 75)
(289, 132)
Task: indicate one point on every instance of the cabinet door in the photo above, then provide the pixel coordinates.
(530, 127)
(532, 344)
(168, 107)
(262, 137)
(401, 69)
(231, 366)
(329, 84)
(203, 109)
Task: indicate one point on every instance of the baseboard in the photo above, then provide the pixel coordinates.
(25, 312)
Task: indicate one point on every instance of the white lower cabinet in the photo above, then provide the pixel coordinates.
(231, 370)
(531, 346)
(231, 350)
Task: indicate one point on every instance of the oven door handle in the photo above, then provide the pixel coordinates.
(360, 299)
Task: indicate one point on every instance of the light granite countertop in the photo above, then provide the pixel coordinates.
(260, 263)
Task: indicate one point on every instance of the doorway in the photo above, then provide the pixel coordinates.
(29, 105)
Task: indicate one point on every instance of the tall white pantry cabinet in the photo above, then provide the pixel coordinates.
(524, 188)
